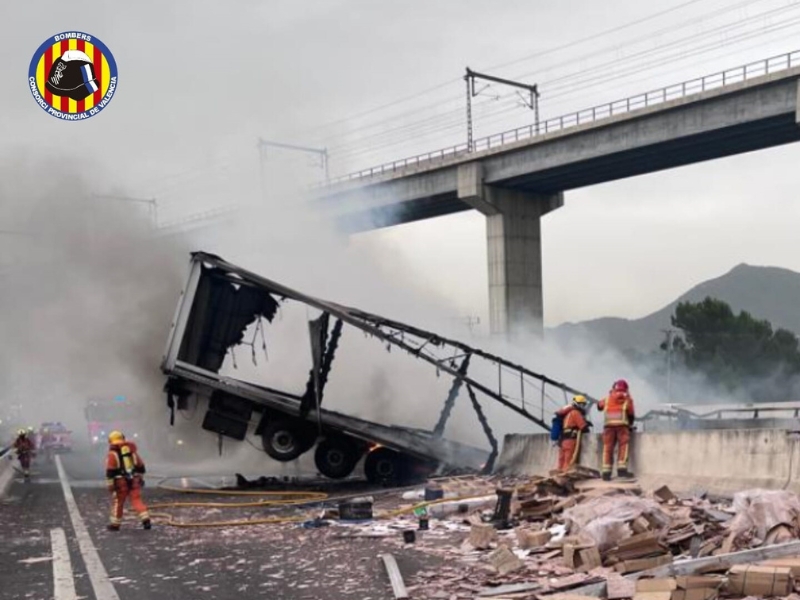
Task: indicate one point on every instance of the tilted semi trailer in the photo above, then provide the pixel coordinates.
(221, 300)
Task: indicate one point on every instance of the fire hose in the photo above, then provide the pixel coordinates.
(270, 499)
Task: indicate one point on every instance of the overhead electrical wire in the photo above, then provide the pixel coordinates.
(351, 148)
(568, 45)
(600, 76)
(682, 55)
(593, 54)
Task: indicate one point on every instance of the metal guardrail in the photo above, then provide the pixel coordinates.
(589, 115)
(744, 412)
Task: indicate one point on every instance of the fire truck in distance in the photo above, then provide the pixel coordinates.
(54, 438)
(105, 416)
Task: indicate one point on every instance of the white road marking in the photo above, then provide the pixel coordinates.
(33, 561)
(103, 588)
(63, 582)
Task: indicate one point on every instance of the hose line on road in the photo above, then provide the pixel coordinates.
(267, 499)
(271, 499)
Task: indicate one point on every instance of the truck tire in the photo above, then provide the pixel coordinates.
(384, 466)
(284, 439)
(336, 457)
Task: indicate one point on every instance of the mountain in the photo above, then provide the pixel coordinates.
(769, 293)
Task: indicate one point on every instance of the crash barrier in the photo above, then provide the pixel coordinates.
(6, 470)
(719, 461)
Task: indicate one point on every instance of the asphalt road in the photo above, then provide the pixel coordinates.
(257, 561)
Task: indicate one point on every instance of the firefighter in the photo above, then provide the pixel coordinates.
(125, 479)
(24, 447)
(575, 425)
(619, 414)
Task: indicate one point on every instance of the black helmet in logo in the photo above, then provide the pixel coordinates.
(72, 75)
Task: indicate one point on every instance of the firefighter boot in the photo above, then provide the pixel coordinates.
(606, 476)
(112, 527)
(625, 474)
(146, 524)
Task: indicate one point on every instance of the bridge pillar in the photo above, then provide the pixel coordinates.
(514, 245)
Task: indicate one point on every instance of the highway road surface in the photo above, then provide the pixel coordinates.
(55, 546)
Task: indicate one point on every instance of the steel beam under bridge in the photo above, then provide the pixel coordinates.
(517, 183)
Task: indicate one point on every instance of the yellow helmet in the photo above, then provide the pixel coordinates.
(115, 436)
(579, 400)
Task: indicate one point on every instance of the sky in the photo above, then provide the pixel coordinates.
(200, 82)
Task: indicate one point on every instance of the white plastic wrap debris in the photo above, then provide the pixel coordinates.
(605, 519)
(759, 511)
(557, 532)
(445, 509)
(420, 495)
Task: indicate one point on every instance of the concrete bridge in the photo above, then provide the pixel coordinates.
(516, 177)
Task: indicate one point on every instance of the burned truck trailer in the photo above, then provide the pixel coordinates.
(218, 304)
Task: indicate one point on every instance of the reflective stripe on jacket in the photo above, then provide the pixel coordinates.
(617, 409)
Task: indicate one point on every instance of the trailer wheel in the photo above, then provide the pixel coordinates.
(384, 466)
(284, 440)
(336, 457)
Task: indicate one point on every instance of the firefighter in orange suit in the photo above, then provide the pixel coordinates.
(619, 414)
(125, 479)
(25, 449)
(575, 425)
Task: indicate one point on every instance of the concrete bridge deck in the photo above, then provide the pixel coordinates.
(515, 182)
(753, 114)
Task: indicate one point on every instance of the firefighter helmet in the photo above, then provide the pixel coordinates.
(115, 436)
(579, 400)
(621, 385)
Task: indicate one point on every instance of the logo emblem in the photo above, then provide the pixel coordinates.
(73, 76)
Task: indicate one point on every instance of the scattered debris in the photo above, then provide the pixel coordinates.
(481, 536)
(750, 580)
(664, 494)
(574, 537)
(528, 539)
(504, 560)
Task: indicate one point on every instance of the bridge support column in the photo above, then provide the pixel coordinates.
(514, 245)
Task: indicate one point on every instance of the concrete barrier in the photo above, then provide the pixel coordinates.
(6, 471)
(719, 461)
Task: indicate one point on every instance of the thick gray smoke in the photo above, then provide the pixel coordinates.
(88, 294)
(90, 287)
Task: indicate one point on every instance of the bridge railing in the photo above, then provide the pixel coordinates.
(655, 97)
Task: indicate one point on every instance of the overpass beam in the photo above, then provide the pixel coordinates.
(514, 244)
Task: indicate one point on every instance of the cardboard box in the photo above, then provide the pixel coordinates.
(695, 594)
(481, 536)
(640, 525)
(656, 585)
(619, 588)
(752, 580)
(692, 582)
(504, 560)
(527, 538)
(652, 596)
(590, 559)
(583, 557)
(791, 563)
(664, 494)
(642, 564)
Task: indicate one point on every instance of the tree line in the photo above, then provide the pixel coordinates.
(737, 354)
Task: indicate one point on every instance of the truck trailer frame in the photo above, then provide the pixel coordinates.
(221, 300)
